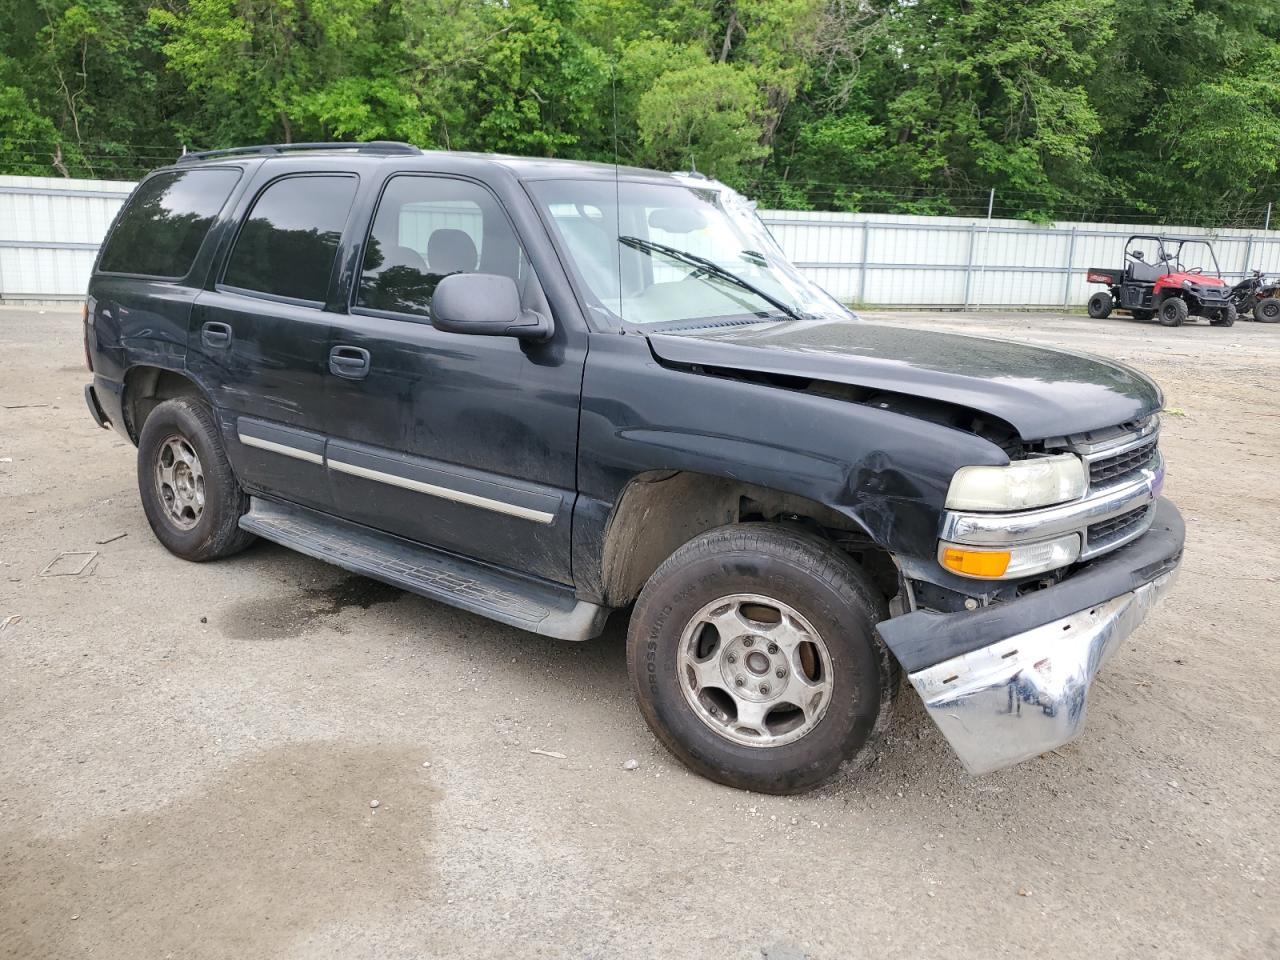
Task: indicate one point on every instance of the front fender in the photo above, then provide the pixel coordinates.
(885, 471)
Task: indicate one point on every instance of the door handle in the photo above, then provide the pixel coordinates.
(351, 363)
(216, 335)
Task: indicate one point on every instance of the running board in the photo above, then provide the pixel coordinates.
(534, 605)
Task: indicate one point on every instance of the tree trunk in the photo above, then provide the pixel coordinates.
(58, 165)
(728, 36)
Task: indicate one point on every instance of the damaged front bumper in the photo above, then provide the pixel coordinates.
(1010, 681)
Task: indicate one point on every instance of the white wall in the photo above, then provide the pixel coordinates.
(960, 261)
(50, 230)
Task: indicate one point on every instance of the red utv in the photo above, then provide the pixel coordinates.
(1168, 278)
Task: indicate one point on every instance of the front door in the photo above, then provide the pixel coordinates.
(260, 338)
(468, 443)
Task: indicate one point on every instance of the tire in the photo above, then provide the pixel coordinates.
(189, 494)
(1225, 318)
(1100, 305)
(1267, 310)
(1173, 312)
(790, 580)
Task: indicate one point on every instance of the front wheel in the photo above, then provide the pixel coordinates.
(189, 494)
(754, 658)
(1173, 312)
(1226, 317)
(1267, 310)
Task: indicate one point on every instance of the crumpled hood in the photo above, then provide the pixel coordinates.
(1039, 391)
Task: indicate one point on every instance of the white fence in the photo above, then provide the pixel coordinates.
(50, 230)
(963, 262)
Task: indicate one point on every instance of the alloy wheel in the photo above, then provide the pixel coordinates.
(754, 670)
(180, 482)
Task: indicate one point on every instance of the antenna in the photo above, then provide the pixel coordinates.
(617, 186)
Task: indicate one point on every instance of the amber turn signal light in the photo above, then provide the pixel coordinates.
(976, 563)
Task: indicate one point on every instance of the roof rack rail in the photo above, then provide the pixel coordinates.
(384, 147)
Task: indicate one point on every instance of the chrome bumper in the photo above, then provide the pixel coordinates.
(1026, 694)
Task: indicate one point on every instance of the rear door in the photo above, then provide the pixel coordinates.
(151, 270)
(468, 443)
(260, 336)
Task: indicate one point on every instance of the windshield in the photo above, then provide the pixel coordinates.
(650, 253)
(1192, 256)
(1173, 255)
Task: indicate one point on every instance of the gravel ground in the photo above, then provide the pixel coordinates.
(190, 754)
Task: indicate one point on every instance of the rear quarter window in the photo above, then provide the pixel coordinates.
(167, 218)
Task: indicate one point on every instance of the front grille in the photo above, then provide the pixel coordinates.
(1105, 469)
(1117, 528)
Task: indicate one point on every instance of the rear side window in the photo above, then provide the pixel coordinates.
(160, 231)
(287, 245)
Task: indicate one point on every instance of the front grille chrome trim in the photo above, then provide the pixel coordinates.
(1119, 444)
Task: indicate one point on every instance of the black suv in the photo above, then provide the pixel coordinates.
(544, 391)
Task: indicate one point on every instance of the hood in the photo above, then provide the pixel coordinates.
(1199, 279)
(1039, 391)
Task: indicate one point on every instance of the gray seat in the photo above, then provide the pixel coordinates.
(451, 251)
(1142, 272)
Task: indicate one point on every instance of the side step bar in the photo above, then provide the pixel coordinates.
(534, 605)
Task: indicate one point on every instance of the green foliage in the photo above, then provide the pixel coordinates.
(1068, 108)
(709, 116)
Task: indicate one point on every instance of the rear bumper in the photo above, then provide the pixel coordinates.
(103, 397)
(1011, 681)
(95, 408)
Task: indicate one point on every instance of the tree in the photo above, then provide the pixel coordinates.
(712, 115)
(1068, 108)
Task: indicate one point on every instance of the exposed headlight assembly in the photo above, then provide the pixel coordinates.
(1023, 484)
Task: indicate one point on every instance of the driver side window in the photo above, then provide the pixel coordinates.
(427, 228)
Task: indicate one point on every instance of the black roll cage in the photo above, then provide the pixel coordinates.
(1172, 261)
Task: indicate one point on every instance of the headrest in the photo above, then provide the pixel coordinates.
(451, 251)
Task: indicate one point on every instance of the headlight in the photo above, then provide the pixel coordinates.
(1020, 561)
(1020, 485)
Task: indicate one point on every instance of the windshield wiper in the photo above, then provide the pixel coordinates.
(710, 267)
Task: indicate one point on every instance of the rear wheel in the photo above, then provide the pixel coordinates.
(753, 654)
(1226, 317)
(1173, 312)
(1100, 305)
(189, 494)
(1267, 311)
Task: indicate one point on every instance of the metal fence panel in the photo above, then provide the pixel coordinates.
(50, 230)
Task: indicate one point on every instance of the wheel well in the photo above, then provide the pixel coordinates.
(660, 512)
(145, 388)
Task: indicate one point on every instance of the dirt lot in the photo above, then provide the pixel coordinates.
(189, 752)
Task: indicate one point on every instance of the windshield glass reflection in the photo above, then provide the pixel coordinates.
(677, 252)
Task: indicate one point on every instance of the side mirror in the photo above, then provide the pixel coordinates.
(487, 305)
